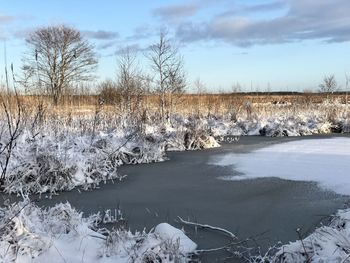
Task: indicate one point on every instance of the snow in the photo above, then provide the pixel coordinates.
(81, 149)
(325, 244)
(168, 232)
(64, 151)
(52, 161)
(57, 163)
(325, 161)
(61, 234)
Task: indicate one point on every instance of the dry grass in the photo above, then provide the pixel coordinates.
(191, 103)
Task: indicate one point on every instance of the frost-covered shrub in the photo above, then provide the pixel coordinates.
(31, 234)
(66, 150)
(326, 244)
(198, 141)
(49, 163)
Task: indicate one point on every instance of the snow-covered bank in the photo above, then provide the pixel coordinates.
(65, 150)
(326, 244)
(325, 161)
(50, 163)
(61, 234)
(55, 163)
(283, 120)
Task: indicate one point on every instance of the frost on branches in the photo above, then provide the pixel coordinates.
(61, 234)
(327, 244)
(65, 151)
(49, 163)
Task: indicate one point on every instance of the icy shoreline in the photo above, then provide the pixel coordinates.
(326, 244)
(53, 161)
(33, 234)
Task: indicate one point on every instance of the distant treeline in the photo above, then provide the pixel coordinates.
(273, 93)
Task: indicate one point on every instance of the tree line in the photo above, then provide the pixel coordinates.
(58, 58)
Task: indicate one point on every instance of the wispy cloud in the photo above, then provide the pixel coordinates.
(270, 6)
(23, 33)
(6, 19)
(121, 50)
(141, 32)
(8, 32)
(304, 20)
(101, 34)
(106, 45)
(255, 8)
(133, 48)
(97, 35)
(180, 11)
(175, 12)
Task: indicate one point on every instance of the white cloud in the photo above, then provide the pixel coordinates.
(304, 20)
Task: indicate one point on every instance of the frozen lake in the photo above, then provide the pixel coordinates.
(189, 185)
(325, 161)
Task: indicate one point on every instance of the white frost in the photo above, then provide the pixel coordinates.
(167, 232)
(61, 234)
(326, 244)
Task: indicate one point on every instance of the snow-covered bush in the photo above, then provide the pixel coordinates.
(326, 244)
(49, 163)
(64, 150)
(32, 234)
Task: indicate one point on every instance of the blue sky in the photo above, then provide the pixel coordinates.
(276, 44)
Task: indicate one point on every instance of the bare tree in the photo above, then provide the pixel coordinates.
(168, 67)
(199, 86)
(27, 80)
(11, 111)
(13, 119)
(236, 87)
(108, 92)
(131, 83)
(61, 57)
(200, 89)
(347, 79)
(329, 85)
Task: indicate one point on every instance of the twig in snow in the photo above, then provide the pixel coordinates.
(302, 243)
(346, 259)
(59, 253)
(100, 237)
(230, 234)
(128, 138)
(201, 251)
(10, 219)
